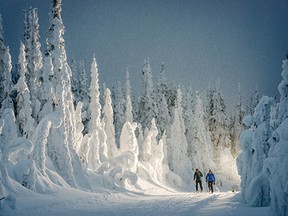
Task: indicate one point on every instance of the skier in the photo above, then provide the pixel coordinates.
(210, 179)
(197, 179)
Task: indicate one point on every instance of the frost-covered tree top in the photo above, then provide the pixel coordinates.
(56, 9)
(22, 69)
(147, 77)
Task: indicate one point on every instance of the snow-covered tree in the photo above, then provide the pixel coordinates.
(188, 107)
(40, 140)
(119, 112)
(177, 144)
(128, 107)
(253, 101)
(9, 142)
(75, 81)
(276, 164)
(217, 122)
(201, 145)
(34, 58)
(129, 146)
(163, 115)
(98, 148)
(107, 122)
(152, 153)
(2, 54)
(236, 125)
(275, 169)
(14, 149)
(47, 91)
(147, 105)
(61, 146)
(283, 90)
(83, 94)
(255, 148)
(7, 82)
(23, 106)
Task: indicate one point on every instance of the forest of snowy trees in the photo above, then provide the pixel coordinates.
(59, 126)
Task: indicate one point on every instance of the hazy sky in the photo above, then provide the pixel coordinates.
(200, 41)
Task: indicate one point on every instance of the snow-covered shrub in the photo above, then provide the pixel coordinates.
(10, 143)
(258, 191)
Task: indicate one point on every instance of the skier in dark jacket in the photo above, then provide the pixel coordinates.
(197, 179)
(210, 179)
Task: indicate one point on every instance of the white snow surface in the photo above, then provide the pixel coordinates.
(151, 201)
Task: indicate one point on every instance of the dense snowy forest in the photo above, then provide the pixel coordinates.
(60, 127)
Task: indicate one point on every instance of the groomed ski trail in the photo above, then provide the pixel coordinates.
(84, 204)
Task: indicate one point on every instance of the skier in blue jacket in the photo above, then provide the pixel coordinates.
(210, 179)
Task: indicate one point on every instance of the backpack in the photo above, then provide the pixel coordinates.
(210, 177)
(198, 175)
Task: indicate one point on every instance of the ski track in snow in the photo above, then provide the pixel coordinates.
(84, 204)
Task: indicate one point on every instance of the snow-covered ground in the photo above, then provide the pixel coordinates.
(151, 202)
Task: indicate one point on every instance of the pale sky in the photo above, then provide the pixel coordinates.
(200, 41)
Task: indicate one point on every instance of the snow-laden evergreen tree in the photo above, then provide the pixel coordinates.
(40, 140)
(147, 104)
(2, 54)
(253, 101)
(94, 106)
(152, 153)
(98, 146)
(23, 104)
(9, 134)
(275, 168)
(47, 91)
(119, 112)
(283, 90)
(177, 144)
(188, 106)
(129, 146)
(128, 107)
(236, 125)
(107, 122)
(84, 94)
(255, 148)
(163, 115)
(13, 149)
(201, 145)
(7, 82)
(217, 122)
(276, 165)
(61, 146)
(34, 58)
(75, 81)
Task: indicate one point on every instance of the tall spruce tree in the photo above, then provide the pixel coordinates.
(98, 148)
(34, 58)
(62, 143)
(177, 144)
(119, 111)
(7, 82)
(128, 107)
(164, 110)
(2, 54)
(107, 122)
(147, 105)
(217, 122)
(24, 111)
